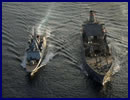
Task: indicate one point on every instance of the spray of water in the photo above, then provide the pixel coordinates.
(116, 63)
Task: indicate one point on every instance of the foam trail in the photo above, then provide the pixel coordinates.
(42, 26)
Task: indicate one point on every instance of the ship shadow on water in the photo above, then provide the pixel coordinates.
(103, 91)
(32, 79)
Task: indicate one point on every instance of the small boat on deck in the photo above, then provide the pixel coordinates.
(35, 53)
(98, 54)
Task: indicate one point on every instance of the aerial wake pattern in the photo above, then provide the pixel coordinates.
(61, 22)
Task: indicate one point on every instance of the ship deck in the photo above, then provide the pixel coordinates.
(100, 64)
(30, 67)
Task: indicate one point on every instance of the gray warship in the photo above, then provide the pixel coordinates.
(35, 53)
(98, 56)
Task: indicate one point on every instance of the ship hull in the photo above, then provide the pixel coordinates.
(97, 77)
(97, 54)
(33, 65)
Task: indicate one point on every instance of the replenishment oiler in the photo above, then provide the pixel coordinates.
(98, 54)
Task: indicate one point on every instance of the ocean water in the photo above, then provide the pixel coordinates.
(62, 77)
